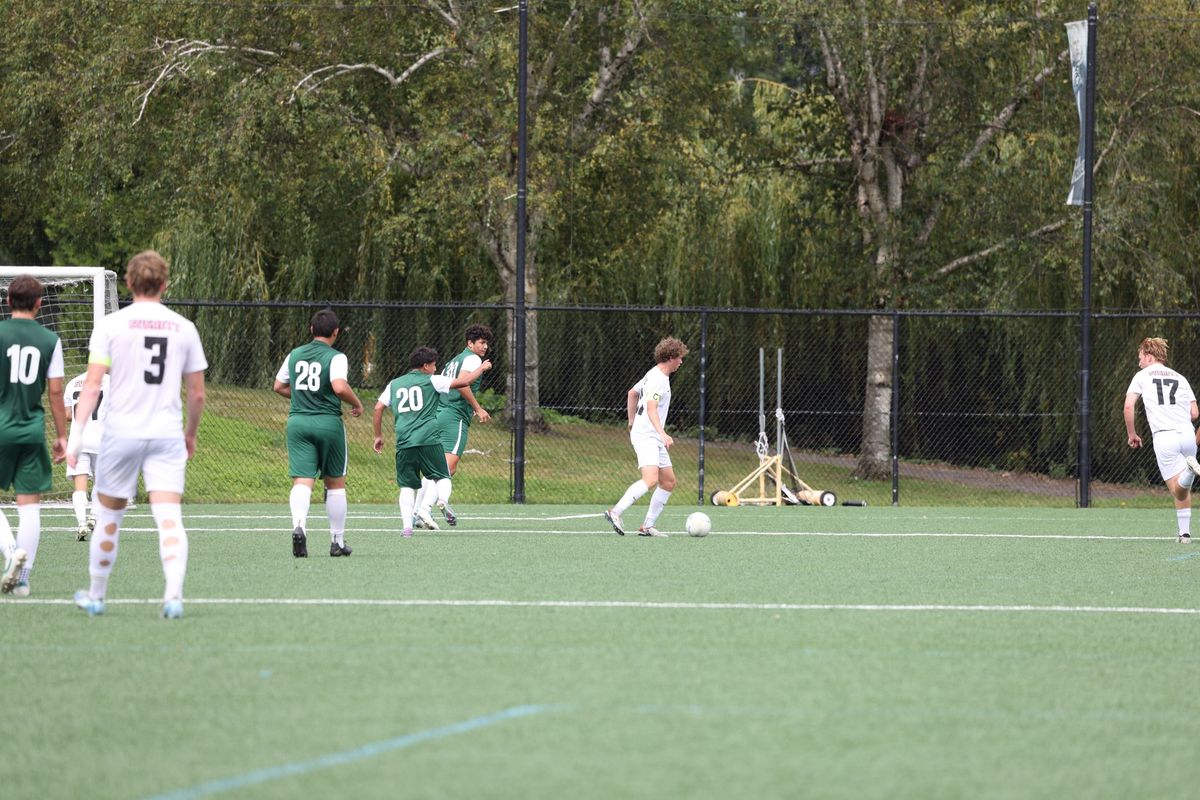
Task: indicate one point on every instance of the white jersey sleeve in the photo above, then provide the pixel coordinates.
(284, 375)
(385, 397)
(57, 365)
(339, 367)
(441, 382)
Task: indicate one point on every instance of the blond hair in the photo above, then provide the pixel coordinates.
(1155, 347)
(669, 348)
(146, 273)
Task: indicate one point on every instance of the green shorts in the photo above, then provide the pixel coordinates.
(413, 462)
(316, 446)
(25, 467)
(453, 430)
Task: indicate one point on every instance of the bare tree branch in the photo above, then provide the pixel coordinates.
(997, 124)
(966, 260)
(180, 55)
(450, 17)
(310, 83)
(611, 70)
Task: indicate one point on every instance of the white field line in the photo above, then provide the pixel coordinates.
(395, 528)
(638, 605)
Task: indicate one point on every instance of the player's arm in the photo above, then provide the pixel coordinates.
(58, 410)
(1130, 408)
(377, 426)
(652, 415)
(281, 388)
(342, 389)
(194, 381)
(480, 411)
(84, 406)
(1195, 411)
(631, 403)
(467, 378)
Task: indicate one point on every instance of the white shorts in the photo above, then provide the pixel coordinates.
(1171, 447)
(650, 452)
(162, 463)
(85, 465)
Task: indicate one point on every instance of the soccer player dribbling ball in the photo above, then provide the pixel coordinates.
(647, 404)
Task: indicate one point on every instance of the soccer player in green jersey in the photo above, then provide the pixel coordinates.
(314, 378)
(31, 359)
(454, 418)
(414, 398)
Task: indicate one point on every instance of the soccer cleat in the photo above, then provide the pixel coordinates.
(1185, 538)
(418, 524)
(407, 533)
(427, 520)
(614, 519)
(342, 549)
(84, 602)
(82, 532)
(650, 530)
(299, 543)
(448, 513)
(12, 571)
(1194, 466)
(172, 609)
(21, 589)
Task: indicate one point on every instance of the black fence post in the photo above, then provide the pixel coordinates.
(895, 408)
(703, 405)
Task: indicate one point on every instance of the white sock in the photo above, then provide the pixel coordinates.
(102, 551)
(1184, 515)
(299, 501)
(7, 542)
(420, 501)
(29, 533)
(335, 507)
(79, 502)
(632, 495)
(444, 487)
(657, 501)
(172, 547)
(427, 495)
(408, 500)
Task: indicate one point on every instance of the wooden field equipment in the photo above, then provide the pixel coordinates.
(786, 485)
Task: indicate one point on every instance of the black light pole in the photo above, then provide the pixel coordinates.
(1085, 313)
(518, 495)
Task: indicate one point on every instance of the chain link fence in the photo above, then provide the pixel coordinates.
(984, 409)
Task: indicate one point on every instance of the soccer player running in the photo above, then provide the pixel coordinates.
(414, 398)
(150, 353)
(31, 361)
(647, 404)
(85, 468)
(314, 378)
(454, 419)
(1170, 411)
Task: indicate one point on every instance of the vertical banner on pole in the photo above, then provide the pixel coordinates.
(1077, 40)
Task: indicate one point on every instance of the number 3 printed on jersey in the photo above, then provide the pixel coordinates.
(157, 345)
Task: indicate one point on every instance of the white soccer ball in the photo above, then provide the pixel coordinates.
(698, 524)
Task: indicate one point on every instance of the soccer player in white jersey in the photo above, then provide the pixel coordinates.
(1170, 411)
(150, 352)
(647, 404)
(85, 468)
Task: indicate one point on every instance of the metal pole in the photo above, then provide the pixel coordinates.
(762, 393)
(895, 408)
(778, 400)
(518, 495)
(1085, 312)
(703, 398)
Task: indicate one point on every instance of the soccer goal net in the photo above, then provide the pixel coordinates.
(75, 299)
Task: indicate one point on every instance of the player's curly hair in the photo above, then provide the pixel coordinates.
(477, 332)
(146, 273)
(1156, 347)
(422, 356)
(669, 348)
(24, 292)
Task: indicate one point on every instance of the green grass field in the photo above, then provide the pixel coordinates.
(529, 652)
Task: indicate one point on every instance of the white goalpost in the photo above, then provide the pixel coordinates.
(74, 300)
